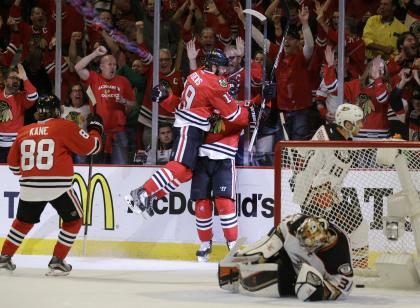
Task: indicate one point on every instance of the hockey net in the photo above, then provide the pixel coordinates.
(348, 183)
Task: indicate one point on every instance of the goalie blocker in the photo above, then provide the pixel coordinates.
(304, 256)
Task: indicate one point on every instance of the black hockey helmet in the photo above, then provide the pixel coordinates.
(216, 57)
(48, 106)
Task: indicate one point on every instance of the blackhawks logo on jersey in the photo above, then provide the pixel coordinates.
(75, 117)
(223, 83)
(216, 124)
(364, 102)
(5, 112)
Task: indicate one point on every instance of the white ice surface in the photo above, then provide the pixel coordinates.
(120, 283)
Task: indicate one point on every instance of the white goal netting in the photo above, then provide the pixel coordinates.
(349, 184)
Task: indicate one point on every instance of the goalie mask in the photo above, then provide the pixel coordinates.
(312, 233)
(48, 106)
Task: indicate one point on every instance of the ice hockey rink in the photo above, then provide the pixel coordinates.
(118, 283)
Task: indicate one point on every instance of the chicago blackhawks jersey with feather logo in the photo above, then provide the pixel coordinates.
(12, 111)
(42, 156)
(204, 93)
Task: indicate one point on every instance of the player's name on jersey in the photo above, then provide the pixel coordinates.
(39, 131)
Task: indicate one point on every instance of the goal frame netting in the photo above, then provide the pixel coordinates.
(281, 180)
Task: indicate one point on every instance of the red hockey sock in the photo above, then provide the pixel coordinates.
(16, 235)
(66, 238)
(228, 218)
(171, 171)
(204, 219)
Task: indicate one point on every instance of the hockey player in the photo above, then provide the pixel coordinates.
(205, 92)
(42, 157)
(214, 182)
(304, 256)
(318, 176)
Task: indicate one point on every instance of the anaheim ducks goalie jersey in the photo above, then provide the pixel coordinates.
(333, 261)
(42, 156)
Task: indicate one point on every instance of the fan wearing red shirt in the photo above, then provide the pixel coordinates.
(13, 104)
(294, 96)
(111, 96)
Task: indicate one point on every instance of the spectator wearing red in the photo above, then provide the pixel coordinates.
(294, 96)
(168, 77)
(111, 97)
(13, 104)
(354, 45)
(370, 92)
(407, 58)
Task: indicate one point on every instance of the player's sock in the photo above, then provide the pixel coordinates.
(15, 237)
(204, 219)
(171, 187)
(66, 238)
(228, 218)
(172, 171)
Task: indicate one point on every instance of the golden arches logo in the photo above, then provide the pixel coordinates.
(98, 178)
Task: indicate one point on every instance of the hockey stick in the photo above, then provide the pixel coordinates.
(273, 70)
(90, 94)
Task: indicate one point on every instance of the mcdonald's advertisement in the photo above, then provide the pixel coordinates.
(108, 218)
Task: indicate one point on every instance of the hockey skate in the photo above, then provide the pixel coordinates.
(203, 253)
(230, 245)
(58, 267)
(140, 203)
(6, 263)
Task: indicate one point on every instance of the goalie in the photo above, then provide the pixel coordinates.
(304, 256)
(317, 181)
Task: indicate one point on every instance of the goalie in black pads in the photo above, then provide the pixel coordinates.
(304, 256)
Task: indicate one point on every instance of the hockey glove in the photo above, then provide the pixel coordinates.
(95, 123)
(269, 90)
(159, 93)
(234, 85)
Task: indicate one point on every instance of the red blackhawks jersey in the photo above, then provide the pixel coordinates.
(204, 94)
(42, 156)
(373, 99)
(105, 92)
(222, 145)
(12, 111)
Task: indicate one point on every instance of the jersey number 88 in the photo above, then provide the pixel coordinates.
(37, 155)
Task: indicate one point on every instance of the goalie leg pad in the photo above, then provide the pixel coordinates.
(228, 274)
(262, 250)
(309, 284)
(259, 279)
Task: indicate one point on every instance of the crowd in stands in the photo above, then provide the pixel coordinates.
(102, 74)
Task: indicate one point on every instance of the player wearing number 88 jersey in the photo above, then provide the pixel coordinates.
(41, 155)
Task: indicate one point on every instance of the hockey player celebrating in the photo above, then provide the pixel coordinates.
(304, 256)
(42, 156)
(205, 92)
